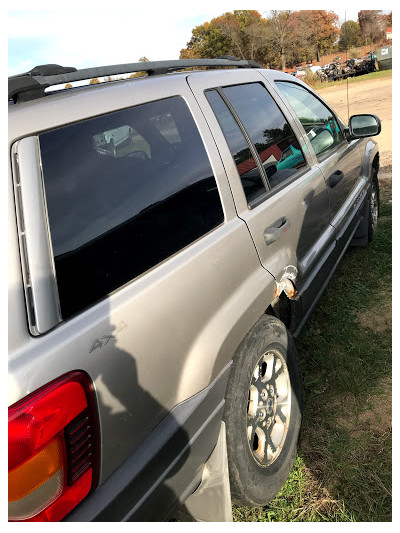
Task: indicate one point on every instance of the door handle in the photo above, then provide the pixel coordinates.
(276, 229)
(335, 178)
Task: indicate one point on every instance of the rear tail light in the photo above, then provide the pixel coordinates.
(52, 450)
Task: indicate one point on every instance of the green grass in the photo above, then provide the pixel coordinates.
(343, 468)
(381, 74)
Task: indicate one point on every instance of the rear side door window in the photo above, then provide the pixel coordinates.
(124, 192)
(251, 175)
(262, 123)
(319, 122)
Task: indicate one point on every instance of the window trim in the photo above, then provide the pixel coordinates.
(36, 249)
(252, 147)
(288, 181)
(330, 151)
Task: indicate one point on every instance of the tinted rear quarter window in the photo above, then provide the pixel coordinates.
(124, 191)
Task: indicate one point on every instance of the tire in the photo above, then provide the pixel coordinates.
(265, 369)
(373, 210)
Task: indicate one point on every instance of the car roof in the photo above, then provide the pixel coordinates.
(65, 106)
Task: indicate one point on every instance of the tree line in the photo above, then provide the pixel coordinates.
(284, 38)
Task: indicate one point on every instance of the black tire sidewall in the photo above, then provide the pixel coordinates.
(251, 483)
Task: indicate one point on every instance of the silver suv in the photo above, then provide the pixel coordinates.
(169, 235)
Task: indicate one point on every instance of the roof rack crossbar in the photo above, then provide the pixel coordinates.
(32, 84)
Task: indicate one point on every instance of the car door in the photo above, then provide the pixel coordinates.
(338, 159)
(280, 195)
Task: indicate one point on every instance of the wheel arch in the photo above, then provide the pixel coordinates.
(217, 342)
(370, 158)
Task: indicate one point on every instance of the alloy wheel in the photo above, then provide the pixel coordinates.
(268, 408)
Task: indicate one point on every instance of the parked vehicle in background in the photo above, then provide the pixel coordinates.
(169, 236)
(347, 68)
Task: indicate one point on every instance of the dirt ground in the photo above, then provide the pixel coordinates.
(371, 96)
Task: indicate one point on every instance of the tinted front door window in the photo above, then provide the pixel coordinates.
(318, 121)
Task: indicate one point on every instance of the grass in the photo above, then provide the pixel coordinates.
(343, 467)
(316, 84)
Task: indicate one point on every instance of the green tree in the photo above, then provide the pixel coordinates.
(207, 41)
(246, 32)
(242, 33)
(350, 35)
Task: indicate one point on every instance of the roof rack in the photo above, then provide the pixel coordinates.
(32, 84)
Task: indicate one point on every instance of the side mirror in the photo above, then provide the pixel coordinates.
(364, 126)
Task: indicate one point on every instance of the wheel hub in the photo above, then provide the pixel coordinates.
(268, 408)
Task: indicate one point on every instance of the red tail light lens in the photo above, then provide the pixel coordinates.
(52, 450)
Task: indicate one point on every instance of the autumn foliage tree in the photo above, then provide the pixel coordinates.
(282, 37)
(315, 31)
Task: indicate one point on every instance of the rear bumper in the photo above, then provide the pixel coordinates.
(166, 468)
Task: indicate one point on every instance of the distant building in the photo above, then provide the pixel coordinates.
(389, 33)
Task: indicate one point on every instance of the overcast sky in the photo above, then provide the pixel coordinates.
(94, 36)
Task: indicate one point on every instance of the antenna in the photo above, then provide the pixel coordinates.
(347, 78)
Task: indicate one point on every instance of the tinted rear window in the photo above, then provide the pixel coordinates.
(124, 191)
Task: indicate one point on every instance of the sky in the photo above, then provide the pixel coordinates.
(85, 34)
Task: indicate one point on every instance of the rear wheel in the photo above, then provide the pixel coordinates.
(263, 412)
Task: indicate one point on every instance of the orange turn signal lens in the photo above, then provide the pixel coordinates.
(33, 473)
